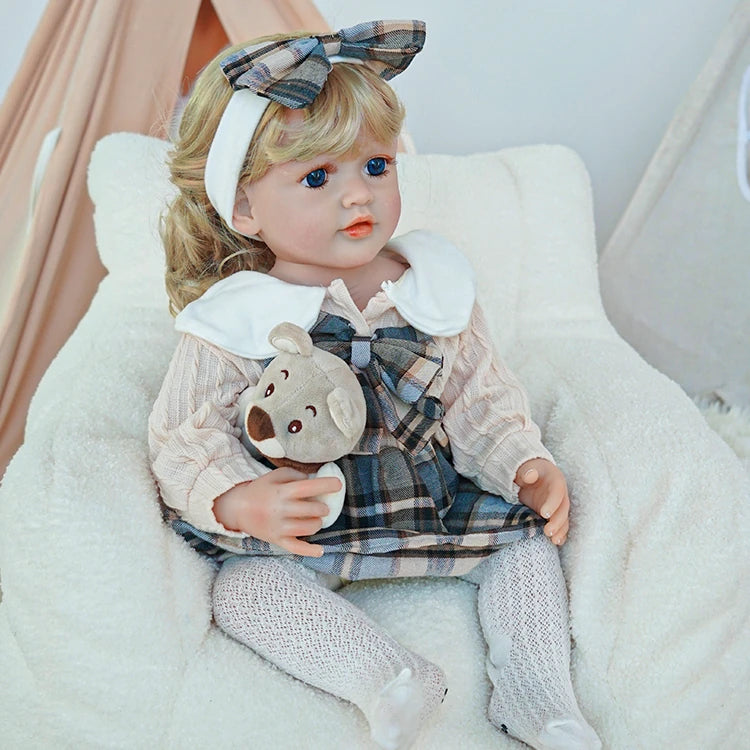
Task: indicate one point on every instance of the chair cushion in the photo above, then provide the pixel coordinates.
(105, 624)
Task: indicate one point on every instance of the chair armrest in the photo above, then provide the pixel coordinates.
(657, 574)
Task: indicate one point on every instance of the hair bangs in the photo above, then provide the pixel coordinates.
(354, 100)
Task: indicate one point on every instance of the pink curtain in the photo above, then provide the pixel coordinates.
(92, 67)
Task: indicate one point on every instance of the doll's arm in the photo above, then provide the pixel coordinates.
(487, 413)
(196, 454)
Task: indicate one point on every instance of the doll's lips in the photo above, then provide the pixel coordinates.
(360, 227)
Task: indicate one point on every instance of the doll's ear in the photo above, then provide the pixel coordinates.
(242, 215)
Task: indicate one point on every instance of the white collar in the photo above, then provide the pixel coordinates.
(435, 294)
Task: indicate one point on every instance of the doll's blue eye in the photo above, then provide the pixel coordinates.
(376, 166)
(317, 178)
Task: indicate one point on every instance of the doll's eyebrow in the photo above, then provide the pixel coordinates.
(312, 409)
(328, 167)
(285, 373)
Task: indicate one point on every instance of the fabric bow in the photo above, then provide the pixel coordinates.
(293, 71)
(401, 361)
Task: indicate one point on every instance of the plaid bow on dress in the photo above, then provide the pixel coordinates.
(398, 362)
(293, 71)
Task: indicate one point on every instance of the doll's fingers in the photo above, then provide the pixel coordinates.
(314, 487)
(558, 516)
(301, 508)
(530, 476)
(556, 529)
(557, 534)
(531, 499)
(301, 526)
(288, 474)
(554, 502)
(300, 547)
(559, 537)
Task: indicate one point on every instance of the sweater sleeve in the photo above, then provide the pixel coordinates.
(487, 414)
(195, 449)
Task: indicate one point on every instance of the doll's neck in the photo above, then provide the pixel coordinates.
(363, 282)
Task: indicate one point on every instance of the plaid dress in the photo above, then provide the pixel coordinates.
(407, 511)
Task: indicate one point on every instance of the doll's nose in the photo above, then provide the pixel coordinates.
(356, 193)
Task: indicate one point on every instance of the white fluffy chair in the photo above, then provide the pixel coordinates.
(105, 625)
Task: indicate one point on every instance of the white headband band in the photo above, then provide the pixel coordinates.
(229, 148)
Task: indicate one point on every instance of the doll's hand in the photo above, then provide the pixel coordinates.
(543, 489)
(278, 507)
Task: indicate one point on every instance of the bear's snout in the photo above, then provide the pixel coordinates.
(259, 426)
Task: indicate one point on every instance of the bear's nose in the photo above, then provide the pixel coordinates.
(259, 426)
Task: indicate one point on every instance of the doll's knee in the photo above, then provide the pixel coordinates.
(236, 584)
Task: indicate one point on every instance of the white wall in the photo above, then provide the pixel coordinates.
(602, 77)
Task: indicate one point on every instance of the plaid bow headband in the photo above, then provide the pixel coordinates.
(293, 72)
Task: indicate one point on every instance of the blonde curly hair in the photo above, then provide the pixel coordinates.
(200, 248)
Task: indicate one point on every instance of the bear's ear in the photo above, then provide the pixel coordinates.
(345, 412)
(288, 337)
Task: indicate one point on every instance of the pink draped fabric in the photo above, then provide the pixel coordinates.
(92, 67)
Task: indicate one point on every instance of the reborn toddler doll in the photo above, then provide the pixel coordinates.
(288, 199)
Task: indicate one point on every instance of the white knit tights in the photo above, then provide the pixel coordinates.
(523, 611)
(282, 612)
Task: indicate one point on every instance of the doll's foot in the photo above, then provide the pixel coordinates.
(404, 705)
(567, 734)
(557, 734)
(395, 719)
(570, 732)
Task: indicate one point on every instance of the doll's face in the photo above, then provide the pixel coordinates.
(331, 212)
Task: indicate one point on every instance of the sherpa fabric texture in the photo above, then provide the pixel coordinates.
(106, 637)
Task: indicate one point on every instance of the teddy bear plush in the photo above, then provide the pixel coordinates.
(306, 411)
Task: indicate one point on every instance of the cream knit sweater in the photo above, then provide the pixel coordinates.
(196, 453)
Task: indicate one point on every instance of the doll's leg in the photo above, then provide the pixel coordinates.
(523, 611)
(281, 611)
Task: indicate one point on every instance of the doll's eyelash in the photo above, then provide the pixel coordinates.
(390, 162)
(326, 169)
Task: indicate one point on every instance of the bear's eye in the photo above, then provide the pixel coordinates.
(295, 426)
(269, 390)
(285, 373)
(312, 409)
